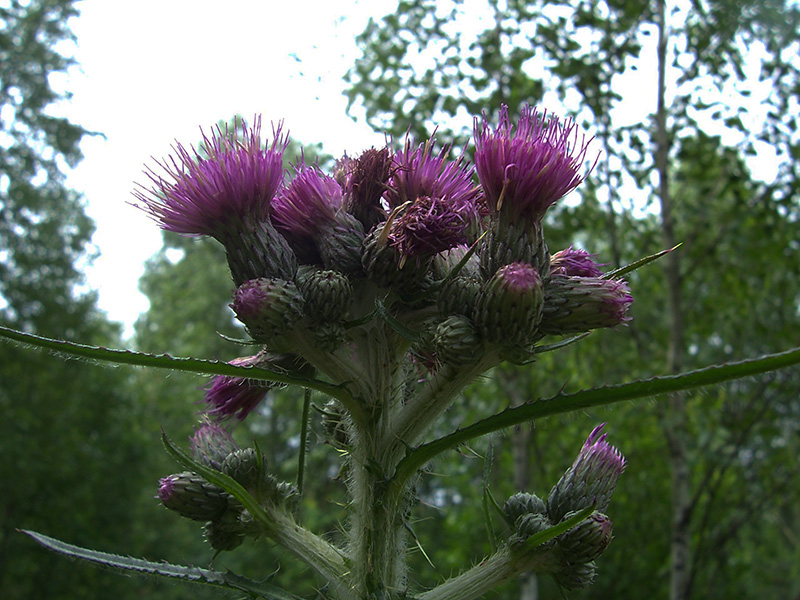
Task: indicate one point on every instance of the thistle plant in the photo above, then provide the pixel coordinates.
(387, 286)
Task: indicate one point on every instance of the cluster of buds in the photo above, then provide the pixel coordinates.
(227, 522)
(589, 482)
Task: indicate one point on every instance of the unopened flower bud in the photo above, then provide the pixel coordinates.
(579, 304)
(339, 243)
(591, 479)
(268, 307)
(328, 294)
(445, 262)
(510, 305)
(523, 503)
(192, 497)
(211, 444)
(220, 539)
(243, 466)
(577, 576)
(587, 540)
(529, 525)
(457, 342)
(458, 296)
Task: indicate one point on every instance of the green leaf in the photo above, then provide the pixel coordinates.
(601, 396)
(165, 361)
(163, 569)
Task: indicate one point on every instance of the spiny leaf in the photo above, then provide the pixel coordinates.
(165, 361)
(600, 396)
(162, 569)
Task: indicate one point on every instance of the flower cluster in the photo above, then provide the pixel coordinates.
(451, 262)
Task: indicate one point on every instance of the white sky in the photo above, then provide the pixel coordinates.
(154, 71)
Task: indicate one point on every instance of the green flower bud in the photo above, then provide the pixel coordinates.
(327, 294)
(445, 262)
(339, 243)
(458, 296)
(192, 497)
(456, 341)
(529, 525)
(587, 540)
(510, 305)
(268, 307)
(578, 576)
(221, 539)
(523, 503)
(243, 466)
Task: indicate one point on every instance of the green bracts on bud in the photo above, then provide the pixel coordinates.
(328, 294)
(192, 497)
(579, 304)
(339, 243)
(509, 306)
(509, 243)
(458, 296)
(523, 503)
(588, 540)
(220, 538)
(456, 342)
(243, 466)
(576, 577)
(268, 307)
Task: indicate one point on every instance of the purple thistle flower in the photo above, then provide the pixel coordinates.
(307, 205)
(524, 171)
(228, 181)
(590, 480)
(237, 397)
(574, 263)
(442, 201)
(364, 181)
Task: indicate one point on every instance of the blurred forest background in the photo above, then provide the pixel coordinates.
(709, 506)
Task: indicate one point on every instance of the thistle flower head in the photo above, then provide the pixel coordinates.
(574, 263)
(525, 170)
(435, 199)
(364, 182)
(590, 480)
(308, 204)
(228, 396)
(580, 304)
(229, 180)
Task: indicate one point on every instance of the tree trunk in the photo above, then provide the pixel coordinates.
(675, 421)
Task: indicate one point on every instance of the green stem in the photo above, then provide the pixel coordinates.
(502, 566)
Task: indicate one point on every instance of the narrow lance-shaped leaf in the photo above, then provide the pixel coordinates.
(600, 396)
(163, 569)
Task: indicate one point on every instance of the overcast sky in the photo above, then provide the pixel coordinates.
(154, 71)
